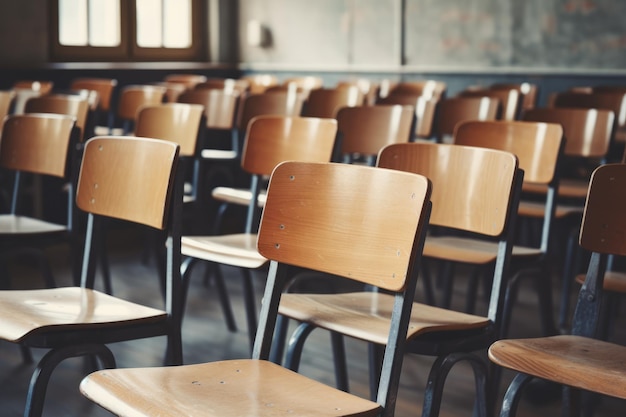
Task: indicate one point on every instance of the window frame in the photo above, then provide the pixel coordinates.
(128, 50)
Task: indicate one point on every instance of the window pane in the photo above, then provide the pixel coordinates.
(149, 23)
(73, 22)
(104, 23)
(177, 24)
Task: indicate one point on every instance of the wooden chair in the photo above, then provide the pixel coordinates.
(106, 90)
(509, 100)
(425, 110)
(326, 102)
(188, 80)
(78, 321)
(260, 82)
(588, 137)
(368, 88)
(452, 111)
(539, 148)
(365, 130)
(40, 145)
(306, 82)
(429, 89)
(132, 98)
(304, 199)
(172, 90)
(269, 141)
(71, 105)
(578, 360)
(474, 189)
(527, 92)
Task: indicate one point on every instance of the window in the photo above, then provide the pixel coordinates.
(127, 30)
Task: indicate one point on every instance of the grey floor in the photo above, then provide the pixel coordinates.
(206, 338)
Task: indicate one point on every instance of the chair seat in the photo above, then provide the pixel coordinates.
(31, 312)
(233, 249)
(537, 210)
(613, 281)
(366, 315)
(568, 188)
(225, 388)
(576, 361)
(218, 154)
(21, 225)
(237, 196)
(472, 251)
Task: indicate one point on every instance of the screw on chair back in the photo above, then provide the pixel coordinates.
(361, 223)
(365, 130)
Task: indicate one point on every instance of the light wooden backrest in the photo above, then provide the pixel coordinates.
(71, 105)
(587, 131)
(527, 92)
(368, 88)
(453, 110)
(271, 140)
(174, 122)
(134, 97)
(509, 100)
(228, 84)
(220, 107)
(307, 82)
(188, 80)
(128, 178)
(172, 90)
(275, 103)
(43, 87)
(425, 109)
(325, 102)
(37, 143)
(6, 101)
(537, 145)
(104, 86)
(602, 228)
(427, 88)
(367, 129)
(472, 186)
(381, 213)
(260, 82)
(614, 100)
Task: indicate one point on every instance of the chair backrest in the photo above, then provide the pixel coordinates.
(227, 84)
(538, 147)
(6, 101)
(614, 100)
(174, 122)
(275, 103)
(104, 86)
(427, 88)
(172, 90)
(260, 82)
(509, 100)
(188, 80)
(220, 107)
(43, 87)
(306, 82)
(425, 109)
(383, 216)
(587, 131)
(527, 92)
(326, 102)
(134, 97)
(128, 178)
(474, 190)
(71, 105)
(37, 143)
(368, 88)
(365, 130)
(602, 234)
(452, 111)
